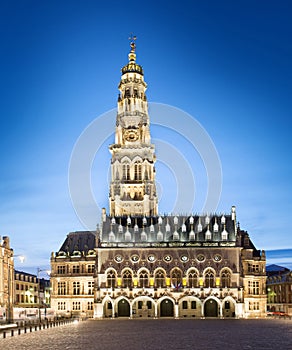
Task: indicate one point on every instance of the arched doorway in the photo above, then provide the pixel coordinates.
(166, 308)
(123, 308)
(211, 308)
(108, 309)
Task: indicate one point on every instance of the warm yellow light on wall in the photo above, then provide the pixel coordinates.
(151, 282)
(167, 281)
(135, 281)
(119, 281)
(201, 281)
(184, 282)
(217, 281)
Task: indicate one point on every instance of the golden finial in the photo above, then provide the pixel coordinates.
(132, 39)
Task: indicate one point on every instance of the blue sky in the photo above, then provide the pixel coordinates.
(227, 63)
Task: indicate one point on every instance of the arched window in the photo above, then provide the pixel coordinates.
(111, 279)
(159, 279)
(176, 278)
(225, 278)
(138, 171)
(127, 93)
(127, 279)
(126, 171)
(193, 280)
(209, 279)
(143, 279)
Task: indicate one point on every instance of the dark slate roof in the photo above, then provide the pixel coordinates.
(276, 269)
(79, 241)
(171, 228)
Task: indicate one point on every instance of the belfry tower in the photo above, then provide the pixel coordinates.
(132, 188)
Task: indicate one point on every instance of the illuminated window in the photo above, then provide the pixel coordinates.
(127, 279)
(143, 279)
(159, 279)
(193, 280)
(111, 279)
(76, 288)
(176, 278)
(209, 279)
(225, 279)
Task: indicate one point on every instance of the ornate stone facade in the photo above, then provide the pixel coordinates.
(132, 189)
(151, 265)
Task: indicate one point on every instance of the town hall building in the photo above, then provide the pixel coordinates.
(142, 264)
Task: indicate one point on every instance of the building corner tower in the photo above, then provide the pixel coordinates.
(132, 187)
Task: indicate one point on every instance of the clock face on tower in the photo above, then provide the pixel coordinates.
(131, 135)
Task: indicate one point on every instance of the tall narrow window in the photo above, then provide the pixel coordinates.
(143, 279)
(193, 304)
(126, 171)
(127, 93)
(76, 288)
(138, 171)
(184, 304)
(61, 288)
(127, 279)
(111, 279)
(176, 278)
(254, 287)
(209, 279)
(90, 287)
(225, 279)
(193, 281)
(159, 279)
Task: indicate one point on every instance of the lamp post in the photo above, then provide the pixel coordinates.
(39, 291)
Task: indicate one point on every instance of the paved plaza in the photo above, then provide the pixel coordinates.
(159, 334)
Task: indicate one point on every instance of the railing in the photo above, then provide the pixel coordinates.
(28, 327)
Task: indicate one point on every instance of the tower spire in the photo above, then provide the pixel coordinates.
(132, 188)
(132, 54)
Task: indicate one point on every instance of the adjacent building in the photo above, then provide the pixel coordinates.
(279, 290)
(6, 279)
(139, 263)
(73, 271)
(32, 296)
